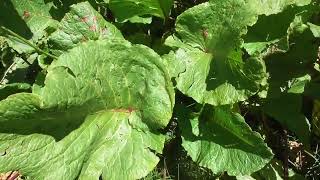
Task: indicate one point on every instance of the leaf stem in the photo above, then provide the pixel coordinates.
(2, 81)
(28, 42)
(310, 154)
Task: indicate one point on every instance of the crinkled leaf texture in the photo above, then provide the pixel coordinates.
(220, 140)
(210, 36)
(33, 17)
(128, 9)
(98, 114)
(81, 24)
(209, 49)
(216, 81)
(36, 14)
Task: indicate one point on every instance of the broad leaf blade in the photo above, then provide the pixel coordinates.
(105, 144)
(96, 114)
(36, 15)
(287, 110)
(274, 171)
(220, 76)
(31, 15)
(271, 34)
(215, 72)
(221, 141)
(269, 7)
(209, 26)
(81, 24)
(216, 81)
(9, 89)
(127, 9)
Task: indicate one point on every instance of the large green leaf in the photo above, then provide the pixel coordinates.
(216, 81)
(36, 14)
(271, 33)
(210, 34)
(287, 109)
(298, 65)
(126, 9)
(209, 26)
(8, 89)
(221, 141)
(210, 37)
(81, 24)
(273, 171)
(284, 100)
(98, 113)
(32, 16)
(269, 7)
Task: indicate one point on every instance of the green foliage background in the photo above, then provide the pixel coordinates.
(182, 89)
